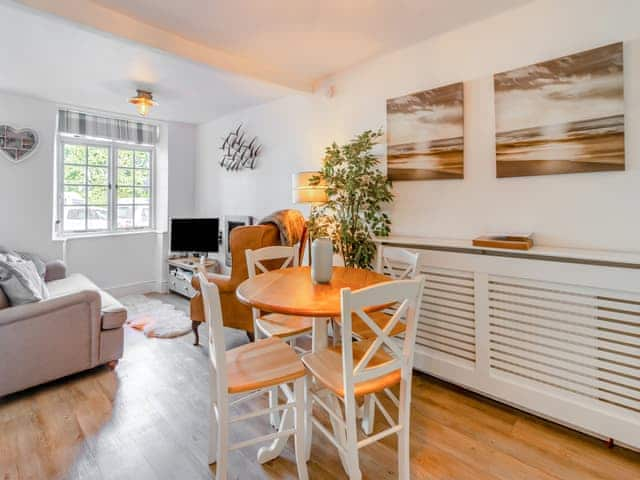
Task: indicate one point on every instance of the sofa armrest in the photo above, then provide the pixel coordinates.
(24, 312)
(55, 270)
(222, 281)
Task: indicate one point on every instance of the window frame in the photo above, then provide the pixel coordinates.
(112, 187)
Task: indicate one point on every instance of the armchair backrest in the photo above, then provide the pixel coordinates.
(252, 237)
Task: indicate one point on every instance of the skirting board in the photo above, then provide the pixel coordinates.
(139, 288)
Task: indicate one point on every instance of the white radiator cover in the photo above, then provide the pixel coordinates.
(558, 336)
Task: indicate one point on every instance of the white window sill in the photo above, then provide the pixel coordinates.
(62, 238)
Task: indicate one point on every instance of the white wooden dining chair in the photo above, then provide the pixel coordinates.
(399, 264)
(286, 327)
(367, 367)
(244, 373)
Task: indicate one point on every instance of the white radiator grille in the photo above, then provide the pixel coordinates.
(580, 342)
(447, 319)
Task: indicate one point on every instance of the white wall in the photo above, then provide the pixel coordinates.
(130, 262)
(287, 129)
(582, 210)
(26, 189)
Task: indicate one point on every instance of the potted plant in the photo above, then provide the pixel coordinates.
(357, 192)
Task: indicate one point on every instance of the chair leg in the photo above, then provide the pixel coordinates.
(274, 417)
(223, 444)
(335, 332)
(300, 437)
(404, 460)
(352, 460)
(213, 435)
(308, 424)
(338, 430)
(368, 414)
(213, 420)
(196, 334)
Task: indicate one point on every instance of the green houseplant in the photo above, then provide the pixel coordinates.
(357, 192)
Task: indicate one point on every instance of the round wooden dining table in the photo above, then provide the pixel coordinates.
(291, 291)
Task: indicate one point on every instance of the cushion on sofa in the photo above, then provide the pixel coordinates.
(114, 314)
(37, 261)
(20, 280)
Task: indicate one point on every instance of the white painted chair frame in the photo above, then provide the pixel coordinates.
(221, 401)
(289, 257)
(409, 262)
(408, 294)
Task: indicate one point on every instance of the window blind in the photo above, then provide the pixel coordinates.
(89, 125)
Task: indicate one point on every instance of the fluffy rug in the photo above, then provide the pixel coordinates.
(154, 318)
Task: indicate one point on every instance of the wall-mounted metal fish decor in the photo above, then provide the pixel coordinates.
(238, 152)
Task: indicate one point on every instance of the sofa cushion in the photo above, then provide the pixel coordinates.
(4, 301)
(20, 280)
(114, 314)
(37, 261)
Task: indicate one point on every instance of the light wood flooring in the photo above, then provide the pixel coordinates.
(148, 419)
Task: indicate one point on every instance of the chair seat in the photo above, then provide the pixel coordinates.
(283, 326)
(362, 331)
(326, 367)
(262, 364)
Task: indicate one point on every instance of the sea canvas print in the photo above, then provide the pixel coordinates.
(425, 135)
(562, 116)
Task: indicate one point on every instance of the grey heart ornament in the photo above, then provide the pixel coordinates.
(17, 144)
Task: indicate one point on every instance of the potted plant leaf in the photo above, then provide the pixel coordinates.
(357, 192)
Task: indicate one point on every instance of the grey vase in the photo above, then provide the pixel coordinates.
(321, 260)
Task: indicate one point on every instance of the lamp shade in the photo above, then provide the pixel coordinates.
(304, 192)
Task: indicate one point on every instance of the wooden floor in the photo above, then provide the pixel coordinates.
(148, 419)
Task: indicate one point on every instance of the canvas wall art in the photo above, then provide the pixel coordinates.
(562, 116)
(425, 135)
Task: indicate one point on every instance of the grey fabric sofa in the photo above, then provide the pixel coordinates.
(78, 327)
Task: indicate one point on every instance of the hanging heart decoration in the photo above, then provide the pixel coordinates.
(17, 144)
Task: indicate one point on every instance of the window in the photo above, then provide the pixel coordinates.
(104, 186)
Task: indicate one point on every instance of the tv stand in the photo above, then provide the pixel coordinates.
(182, 270)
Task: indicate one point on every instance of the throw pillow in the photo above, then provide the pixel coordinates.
(20, 280)
(39, 263)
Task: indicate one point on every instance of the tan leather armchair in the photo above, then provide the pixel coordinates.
(234, 313)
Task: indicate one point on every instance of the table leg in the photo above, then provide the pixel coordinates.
(287, 421)
(319, 335)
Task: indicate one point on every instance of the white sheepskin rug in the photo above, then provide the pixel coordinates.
(154, 318)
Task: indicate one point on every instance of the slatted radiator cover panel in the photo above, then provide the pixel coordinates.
(446, 327)
(581, 343)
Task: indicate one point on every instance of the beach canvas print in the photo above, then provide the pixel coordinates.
(562, 116)
(425, 135)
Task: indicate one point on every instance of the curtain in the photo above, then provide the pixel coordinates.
(89, 125)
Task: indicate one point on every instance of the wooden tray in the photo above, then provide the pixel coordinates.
(510, 242)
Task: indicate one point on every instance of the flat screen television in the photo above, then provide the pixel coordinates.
(194, 234)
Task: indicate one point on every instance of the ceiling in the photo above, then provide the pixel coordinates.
(45, 57)
(206, 58)
(308, 39)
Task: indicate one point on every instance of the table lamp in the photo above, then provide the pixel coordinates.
(304, 192)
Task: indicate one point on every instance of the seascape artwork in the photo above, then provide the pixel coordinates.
(562, 116)
(425, 135)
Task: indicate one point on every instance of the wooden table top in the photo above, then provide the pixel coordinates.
(291, 291)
